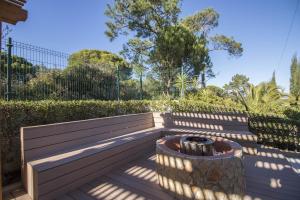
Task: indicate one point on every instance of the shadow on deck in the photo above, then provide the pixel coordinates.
(268, 176)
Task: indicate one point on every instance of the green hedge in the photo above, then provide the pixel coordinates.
(190, 106)
(16, 114)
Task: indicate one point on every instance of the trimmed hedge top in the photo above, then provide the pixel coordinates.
(16, 114)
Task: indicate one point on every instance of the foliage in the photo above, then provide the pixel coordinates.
(292, 112)
(221, 42)
(152, 87)
(202, 22)
(105, 61)
(136, 52)
(295, 80)
(14, 114)
(172, 52)
(263, 98)
(183, 83)
(237, 84)
(22, 69)
(143, 17)
(174, 42)
(214, 96)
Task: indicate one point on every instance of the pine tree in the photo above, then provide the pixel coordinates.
(295, 79)
(273, 80)
(293, 70)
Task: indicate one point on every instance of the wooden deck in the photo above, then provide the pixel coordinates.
(269, 176)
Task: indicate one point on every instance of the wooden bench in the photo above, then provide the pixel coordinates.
(57, 158)
(60, 157)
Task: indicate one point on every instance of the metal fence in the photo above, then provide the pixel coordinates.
(29, 72)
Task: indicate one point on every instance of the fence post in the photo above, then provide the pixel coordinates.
(182, 82)
(118, 83)
(141, 86)
(9, 72)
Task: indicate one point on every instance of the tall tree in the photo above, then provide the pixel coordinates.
(201, 25)
(295, 79)
(176, 43)
(136, 51)
(239, 84)
(105, 61)
(273, 79)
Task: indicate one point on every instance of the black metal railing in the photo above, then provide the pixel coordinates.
(29, 72)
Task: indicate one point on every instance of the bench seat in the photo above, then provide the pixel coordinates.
(60, 157)
(56, 174)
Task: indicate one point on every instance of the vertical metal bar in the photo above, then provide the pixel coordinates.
(182, 92)
(9, 61)
(118, 83)
(141, 86)
(0, 98)
(1, 91)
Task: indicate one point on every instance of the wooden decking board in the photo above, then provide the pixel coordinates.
(79, 195)
(110, 189)
(258, 187)
(94, 174)
(137, 180)
(66, 197)
(150, 190)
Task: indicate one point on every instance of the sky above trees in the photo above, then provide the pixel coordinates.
(261, 26)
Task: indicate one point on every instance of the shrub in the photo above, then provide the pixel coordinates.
(292, 112)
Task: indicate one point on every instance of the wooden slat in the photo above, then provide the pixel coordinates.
(11, 13)
(81, 134)
(65, 197)
(79, 195)
(89, 177)
(77, 174)
(138, 171)
(16, 2)
(85, 161)
(56, 148)
(107, 188)
(65, 127)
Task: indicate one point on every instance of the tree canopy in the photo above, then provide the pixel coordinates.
(295, 79)
(172, 43)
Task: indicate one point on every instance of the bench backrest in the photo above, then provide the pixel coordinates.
(38, 141)
(216, 121)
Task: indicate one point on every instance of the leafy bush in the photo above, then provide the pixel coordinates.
(292, 113)
(16, 114)
(213, 96)
(191, 106)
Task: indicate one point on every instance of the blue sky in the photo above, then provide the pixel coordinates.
(261, 26)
